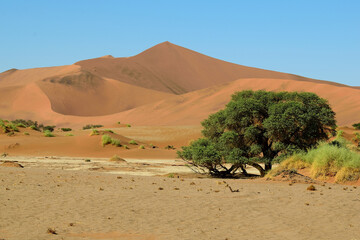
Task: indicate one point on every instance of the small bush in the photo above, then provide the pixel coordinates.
(48, 133)
(26, 133)
(118, 122)
(115, 142)
(128, 125)
(21, 125)
(94, 132)
(141, 147)
(69, 135)
(108, 130)
(105, 139)
(133, 142)
(12, 127)
(125, 146)
(48, 128)
(356, 126)
(152, 146)
(89, 126)
(66, 129)
(10, 134)
(169, 147)
(34, 127)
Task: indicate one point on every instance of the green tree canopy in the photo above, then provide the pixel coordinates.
(260, 127)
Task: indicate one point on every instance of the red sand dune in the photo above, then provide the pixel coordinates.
(164, 85)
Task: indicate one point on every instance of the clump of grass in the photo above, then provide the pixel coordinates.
(311, 188)
(152, 146)
(89, 126)
(169, 147)
(115, 142)
(125, 146)
(141, 147)
(26, 133)
(118, 122)
(327, 160)
(51, 231)
(66, 129)
(87, 160)
(128, 125)
(133, 142)
(33, 127)
(94, 132)
(69, 135)
(356, 126)
(21, 125)
(109, 130)
(10, 134)
(106, 139)
(116, 158)
(48, 133)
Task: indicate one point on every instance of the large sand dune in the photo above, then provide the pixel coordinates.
(164, 85)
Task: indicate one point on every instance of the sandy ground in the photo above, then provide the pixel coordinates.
(69, 185)
(85, 204)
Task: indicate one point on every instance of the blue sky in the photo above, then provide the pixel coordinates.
(318, 38)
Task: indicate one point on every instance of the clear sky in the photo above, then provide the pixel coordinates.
(313, 38)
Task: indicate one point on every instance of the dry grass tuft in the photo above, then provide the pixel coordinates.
(311, 188)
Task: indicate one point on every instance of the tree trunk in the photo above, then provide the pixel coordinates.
(268, 166)
(259, 168)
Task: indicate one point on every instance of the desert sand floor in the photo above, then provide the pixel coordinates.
(83, 204)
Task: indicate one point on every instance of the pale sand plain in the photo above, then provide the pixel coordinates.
(69, 185)
(83, 204)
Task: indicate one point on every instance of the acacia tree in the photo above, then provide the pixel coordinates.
(260, 127)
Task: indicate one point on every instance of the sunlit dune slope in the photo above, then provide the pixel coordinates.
(164, 85)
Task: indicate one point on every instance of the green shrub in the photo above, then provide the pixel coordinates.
(89, 126)
(13, 127)
(21, 125)
(125, 146)
(94, 132)
(109, 130)
(66, 129)
(133, 142)
(10, 134)
(128, 125)
(115, 142)
(168, 147)
(48, 133)
(48, 128)
(118, 122)
(26, 133)
(69, 135)
(356, 126)
(141, 147)
(34, 127)
(105, 139)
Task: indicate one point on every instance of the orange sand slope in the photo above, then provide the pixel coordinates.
(164, 85)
